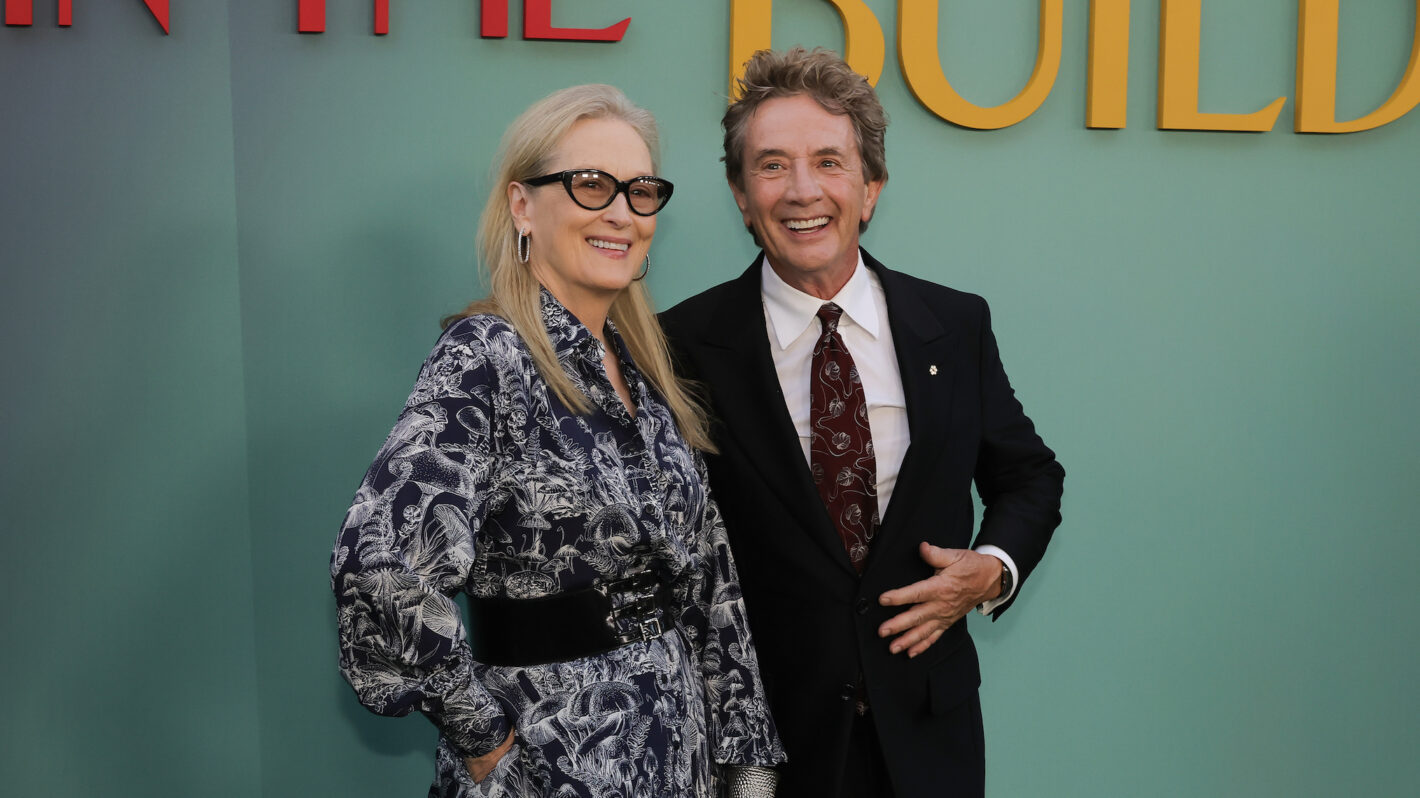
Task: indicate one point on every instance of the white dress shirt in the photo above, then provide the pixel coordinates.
(791, 318)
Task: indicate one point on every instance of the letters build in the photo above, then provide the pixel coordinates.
(1179, 38)
(1106, 101)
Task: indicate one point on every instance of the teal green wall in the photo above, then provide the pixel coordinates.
(225, 250)
(128, 647)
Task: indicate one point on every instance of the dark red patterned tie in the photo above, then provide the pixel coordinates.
(841, 447)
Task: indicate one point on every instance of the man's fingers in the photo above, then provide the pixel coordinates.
(905, 620)
(920, 637)
(914, 626)
(915, 593)
(938, 557)
(913, 636)
(925, 644)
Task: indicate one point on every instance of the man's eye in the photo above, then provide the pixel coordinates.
(772, 167)
(828, 163)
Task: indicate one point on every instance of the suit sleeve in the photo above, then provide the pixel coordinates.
(1017, 476)
(405, 550)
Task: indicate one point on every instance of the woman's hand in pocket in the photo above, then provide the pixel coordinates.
(480, 766)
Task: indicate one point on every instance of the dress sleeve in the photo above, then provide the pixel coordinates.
(406, 547)
(741, 729)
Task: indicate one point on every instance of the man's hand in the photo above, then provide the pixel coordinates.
(480, 766)
(963, 580)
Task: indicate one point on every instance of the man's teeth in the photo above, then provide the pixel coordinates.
(806, 224)
(598, 243)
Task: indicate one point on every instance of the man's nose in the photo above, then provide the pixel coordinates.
(803, 183)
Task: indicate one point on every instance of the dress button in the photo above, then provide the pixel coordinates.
(862, 606)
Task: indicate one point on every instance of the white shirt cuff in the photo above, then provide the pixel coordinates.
(988, 607)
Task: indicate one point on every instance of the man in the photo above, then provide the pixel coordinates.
(854, 408)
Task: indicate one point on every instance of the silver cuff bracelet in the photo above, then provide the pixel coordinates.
(750, 781)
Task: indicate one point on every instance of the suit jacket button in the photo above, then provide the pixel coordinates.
(848, 692)
(862, 606)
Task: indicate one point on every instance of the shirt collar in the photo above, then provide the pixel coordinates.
(792, 310)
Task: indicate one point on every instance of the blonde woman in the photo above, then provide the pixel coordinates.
(545, 464)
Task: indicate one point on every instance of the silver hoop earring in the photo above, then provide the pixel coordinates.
(645, 267)
(524, 246)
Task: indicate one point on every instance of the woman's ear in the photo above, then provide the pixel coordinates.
(520, 205)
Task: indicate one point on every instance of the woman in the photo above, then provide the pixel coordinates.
(544, 464)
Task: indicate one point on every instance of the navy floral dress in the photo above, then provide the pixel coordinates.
(489, 485)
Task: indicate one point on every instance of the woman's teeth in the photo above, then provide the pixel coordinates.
(599, 244)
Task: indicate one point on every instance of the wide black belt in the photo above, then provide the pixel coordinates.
(570, 625)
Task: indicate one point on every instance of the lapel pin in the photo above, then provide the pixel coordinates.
(932, 370)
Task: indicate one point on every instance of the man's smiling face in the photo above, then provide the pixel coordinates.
(804, 192)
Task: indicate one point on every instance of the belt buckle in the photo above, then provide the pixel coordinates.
(636, 618)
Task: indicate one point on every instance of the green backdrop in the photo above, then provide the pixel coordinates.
(225, 250)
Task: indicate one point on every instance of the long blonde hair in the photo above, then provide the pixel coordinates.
(513, 292)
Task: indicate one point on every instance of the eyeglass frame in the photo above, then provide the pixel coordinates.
(621, 187)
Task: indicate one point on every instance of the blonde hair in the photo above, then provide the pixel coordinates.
(515, 294)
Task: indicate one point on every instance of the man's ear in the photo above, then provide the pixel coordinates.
(870, 199)
(741, 201)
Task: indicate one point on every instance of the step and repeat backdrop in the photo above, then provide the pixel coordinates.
(228, 230)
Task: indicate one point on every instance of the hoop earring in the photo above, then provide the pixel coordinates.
(524, 246)
(645, 267)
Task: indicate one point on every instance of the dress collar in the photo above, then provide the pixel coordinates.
(792, 311)
(571, 338)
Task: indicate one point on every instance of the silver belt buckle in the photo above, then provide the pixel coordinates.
(650, 627)
(634, 616)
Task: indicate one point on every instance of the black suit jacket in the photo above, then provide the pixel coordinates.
(814, 619)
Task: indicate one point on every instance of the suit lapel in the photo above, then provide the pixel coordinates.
(928, 364)
(738, 368)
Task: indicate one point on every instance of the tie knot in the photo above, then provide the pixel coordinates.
(829, 314)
